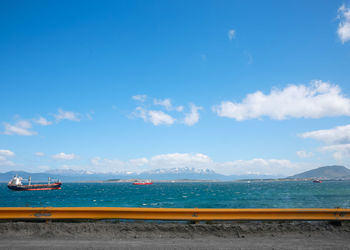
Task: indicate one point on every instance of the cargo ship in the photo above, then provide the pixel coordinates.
(145, 182)
(16, 184)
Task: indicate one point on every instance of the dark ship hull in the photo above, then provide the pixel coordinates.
(35, 187)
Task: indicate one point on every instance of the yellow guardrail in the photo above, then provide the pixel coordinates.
(193, 214)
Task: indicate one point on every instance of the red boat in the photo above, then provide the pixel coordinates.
(317, 181)
(146, 182)
(16, 185)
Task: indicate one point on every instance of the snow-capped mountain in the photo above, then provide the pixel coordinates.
(179, 171)
(70, 175)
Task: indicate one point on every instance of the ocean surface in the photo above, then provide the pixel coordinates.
(329, 194)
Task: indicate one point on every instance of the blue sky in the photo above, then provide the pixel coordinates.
(235, 86)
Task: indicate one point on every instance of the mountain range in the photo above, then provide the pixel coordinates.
(69, 175)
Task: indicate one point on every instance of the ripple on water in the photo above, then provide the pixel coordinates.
(225, 195)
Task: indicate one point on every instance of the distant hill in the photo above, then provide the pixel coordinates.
(69, 175)
(5, 177)
(65, 177)
(327, 172)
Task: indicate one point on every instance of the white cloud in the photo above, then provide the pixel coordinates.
(108, 165)
(141, 113)
(261, 166)
(141, 98)
(304, 154)
(179, 108)
(156, 117)
(192, 117)
(337, 135)
(319, 99)
(172, 114)
(336, 140)
(67, 115)
(180, 160)
(42, 121)
(155, 162)
(343, 30)
(5, 162)
(22, 127)
(4, 155)
(277, 167)
(160, 118)
(231, 34)
(138, 162)
(98, 161)
(40, 154)
(340, 151)
(166, 103)
(63, 156)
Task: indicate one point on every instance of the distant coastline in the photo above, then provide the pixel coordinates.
(326, 173)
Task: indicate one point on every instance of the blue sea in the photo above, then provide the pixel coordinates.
(329, 194)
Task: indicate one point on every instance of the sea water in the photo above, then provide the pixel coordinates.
(291, 194)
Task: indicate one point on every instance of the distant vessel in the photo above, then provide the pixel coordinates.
(145, 182)
(16, 184)
(317, 181)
